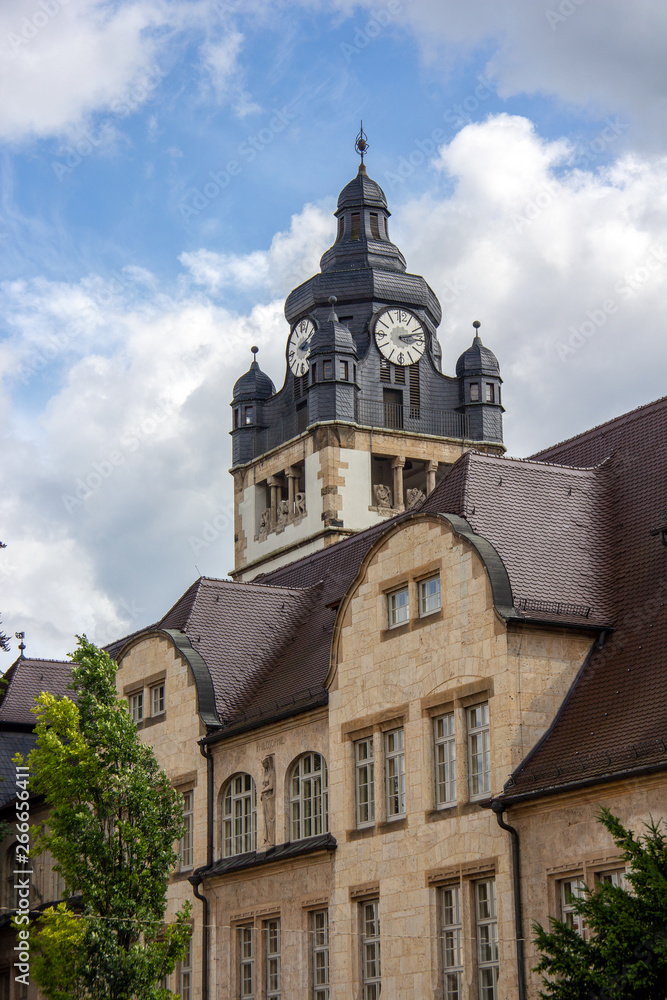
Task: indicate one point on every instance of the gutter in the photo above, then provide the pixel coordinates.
(196, 880)
(498, 806)
(573, 786)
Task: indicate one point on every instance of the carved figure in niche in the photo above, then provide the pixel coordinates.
(265, 523)
(269, 801)
(300, 504)
(283, 513)
(382, 496)
(415, 497)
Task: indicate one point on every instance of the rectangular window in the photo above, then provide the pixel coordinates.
(445, 760)
(136, 702)
(157, 699)
(398, 604)
(272, 932)
(370, 950)
(616, 878)
(345, 371)
(186, 839)
(571, 889)
(489, 392)
(185, 985)
(452, 952)
(313, 373)
(356, 226)
(247, 414)
(341, 226)
(429, 596)
(375, 228)
(487, 938)
(327, 369)
(237, 417)
(394, 764)
(365, 781)
(479, 756)
(474, 392)
(319, 929)
(246, 962)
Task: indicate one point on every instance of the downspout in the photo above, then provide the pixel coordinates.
(498, 807)
(197, 880)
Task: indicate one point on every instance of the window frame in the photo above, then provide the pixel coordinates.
(272, 959)
(371, 985)
(161, 699)
(187, 846)
(302, 807)
(398, 614)
(320, 990)
(366, 764)
(135, 702)
(487, 940)
(489, 393)
(452, 929)
(423, 597)
(574, 885)
(185, 972)
(246, 960)
(475, 732)
(230, 834)
(473, 392)
(447, 743)
(394, 774)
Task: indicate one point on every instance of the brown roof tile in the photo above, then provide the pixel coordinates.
(26, 678)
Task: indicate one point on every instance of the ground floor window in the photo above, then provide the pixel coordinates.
(370, 950)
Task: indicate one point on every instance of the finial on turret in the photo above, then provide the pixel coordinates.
(477, 325)
(255, 350)
(361, 146)
(21, 636)
(332, 315)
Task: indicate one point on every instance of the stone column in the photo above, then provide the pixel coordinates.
(292, 475)
(397, 465)
(431, 469)
(275, 487)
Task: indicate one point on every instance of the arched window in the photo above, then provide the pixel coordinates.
(239, 816)
(309, 797)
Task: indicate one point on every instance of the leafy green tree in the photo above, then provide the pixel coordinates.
(624, 953)
(113, 823)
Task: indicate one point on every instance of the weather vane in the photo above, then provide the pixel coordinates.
(21, 636)
(361, 143)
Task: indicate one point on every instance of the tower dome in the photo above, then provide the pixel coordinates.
(478, 359)
(254, 385)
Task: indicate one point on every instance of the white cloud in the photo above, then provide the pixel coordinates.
(222, 72)
(604, 56)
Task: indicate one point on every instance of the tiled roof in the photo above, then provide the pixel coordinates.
(294, 849)
(614, 718)
(10, 744)
(26, 678)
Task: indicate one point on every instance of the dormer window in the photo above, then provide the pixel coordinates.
(375, 226)
(474, 392)
(356, 226)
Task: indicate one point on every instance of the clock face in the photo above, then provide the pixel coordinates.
(400, 336)
(298, 346)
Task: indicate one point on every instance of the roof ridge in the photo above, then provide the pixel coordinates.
(628, 416)
(540, 463)
(261, 586)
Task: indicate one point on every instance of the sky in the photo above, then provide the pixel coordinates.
(168, 173)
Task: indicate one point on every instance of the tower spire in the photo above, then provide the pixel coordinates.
(361, 146)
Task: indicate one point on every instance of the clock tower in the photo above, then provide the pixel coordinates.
(365, 423)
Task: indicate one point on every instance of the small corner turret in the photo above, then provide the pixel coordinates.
(479, 378)
(250, 392)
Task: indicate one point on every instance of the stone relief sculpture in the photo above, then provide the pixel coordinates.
(382, 496)
(264, 523)
(415, 497)
(269, 801)
(300, 504)
(283, 513)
